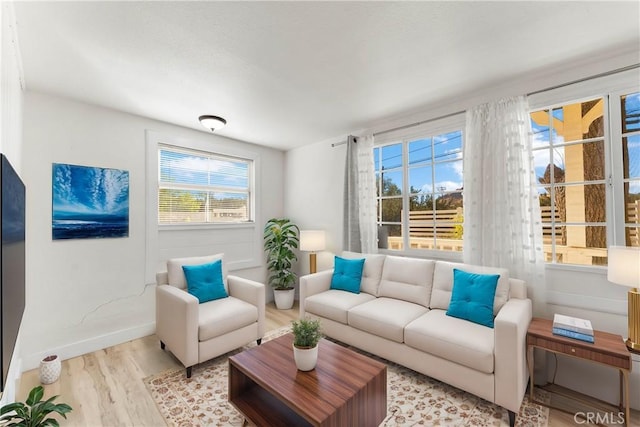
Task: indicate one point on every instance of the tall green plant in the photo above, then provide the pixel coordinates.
(33, 412)
(280, 238)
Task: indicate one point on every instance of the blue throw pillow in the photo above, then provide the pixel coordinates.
(472, 297)
(347, 274)
(205, 281)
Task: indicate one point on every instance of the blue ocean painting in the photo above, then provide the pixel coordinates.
(89, 202)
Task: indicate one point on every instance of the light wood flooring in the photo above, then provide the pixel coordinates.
(105, 387)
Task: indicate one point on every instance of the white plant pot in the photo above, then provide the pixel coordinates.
(50, 368)
(284, 298)
(306, 358)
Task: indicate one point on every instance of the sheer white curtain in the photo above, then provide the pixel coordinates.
(502, 225)
(367, 196)
(359, 228)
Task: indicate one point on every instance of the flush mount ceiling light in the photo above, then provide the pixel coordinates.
(212, 122)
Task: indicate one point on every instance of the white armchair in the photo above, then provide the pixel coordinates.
(196, 332)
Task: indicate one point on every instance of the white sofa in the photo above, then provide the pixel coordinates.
(399, 315)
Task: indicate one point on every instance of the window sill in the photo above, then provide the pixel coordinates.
(602, 270)
(426, 254)
(205, 226)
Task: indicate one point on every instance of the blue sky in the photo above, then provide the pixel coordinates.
(446, 149)
(446, 152)
(184, 168)
(542, 137)
(90, 190)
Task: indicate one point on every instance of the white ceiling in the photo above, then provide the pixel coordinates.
(285, 74)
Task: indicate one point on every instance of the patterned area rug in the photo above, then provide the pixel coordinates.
(412, 398)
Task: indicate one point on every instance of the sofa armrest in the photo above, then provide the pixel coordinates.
(511, 373)
(177, 322)
(252, 292)
(312, 284)
(162, 278)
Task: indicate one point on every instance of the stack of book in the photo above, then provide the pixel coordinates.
(572, 327)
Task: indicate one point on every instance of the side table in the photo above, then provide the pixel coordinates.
(608, 349)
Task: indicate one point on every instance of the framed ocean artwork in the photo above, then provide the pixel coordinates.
(89, 202)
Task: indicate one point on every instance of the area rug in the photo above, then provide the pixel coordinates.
(412, 399)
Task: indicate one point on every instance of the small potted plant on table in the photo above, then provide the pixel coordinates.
(306, 335)
(280, 238)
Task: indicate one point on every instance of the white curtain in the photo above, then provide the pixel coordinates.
(502, 225)
(367, 196)
(359, 221)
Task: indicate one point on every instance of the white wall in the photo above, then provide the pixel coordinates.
(314, 188)
(11, 98)
(313, 197)
(84, 295)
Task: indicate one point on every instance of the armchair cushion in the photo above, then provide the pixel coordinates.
(221, 316)
(205, 281)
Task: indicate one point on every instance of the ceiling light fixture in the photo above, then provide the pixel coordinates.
(212, 122)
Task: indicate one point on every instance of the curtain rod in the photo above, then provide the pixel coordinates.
(584, 79)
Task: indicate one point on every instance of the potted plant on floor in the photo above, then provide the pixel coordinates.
(280, 239)
(306, 335)
(34, 411)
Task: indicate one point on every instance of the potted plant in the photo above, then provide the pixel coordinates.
(280, 239)
(306, 335)
(34, 411)
(50, 368)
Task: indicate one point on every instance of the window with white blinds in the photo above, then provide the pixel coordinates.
(196, 187)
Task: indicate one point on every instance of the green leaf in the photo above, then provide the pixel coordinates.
(35, 395)
(11, 407)
(62, 409)
(50, 422)
(34, 413)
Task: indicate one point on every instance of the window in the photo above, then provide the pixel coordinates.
(576, 148)
(419, 193)
(196, 187)
(569, 156)
(630, 129)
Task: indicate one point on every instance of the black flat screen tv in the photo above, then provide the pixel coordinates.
(12, 284)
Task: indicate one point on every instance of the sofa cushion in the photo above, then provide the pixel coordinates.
(371, 272)
(176, 277)
(407, 279)
(220, 316)
(334, 304)
(472, 297)
(347, 274)
(453, 339)
(385, 317)
(443, 283)
(204, 281)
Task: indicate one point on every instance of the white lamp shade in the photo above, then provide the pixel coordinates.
(624, 266)
(312, 240)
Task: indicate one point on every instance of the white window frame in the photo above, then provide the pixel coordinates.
(404, 136)
(610, 88)
(209, 188)
(606, 138)
(617, 174)
(250, 258)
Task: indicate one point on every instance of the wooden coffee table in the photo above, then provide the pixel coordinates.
(345, 389)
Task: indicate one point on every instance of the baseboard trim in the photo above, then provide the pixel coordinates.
(79, 348)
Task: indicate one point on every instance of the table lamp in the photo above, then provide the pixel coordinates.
(624, 269)
(312, 241)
